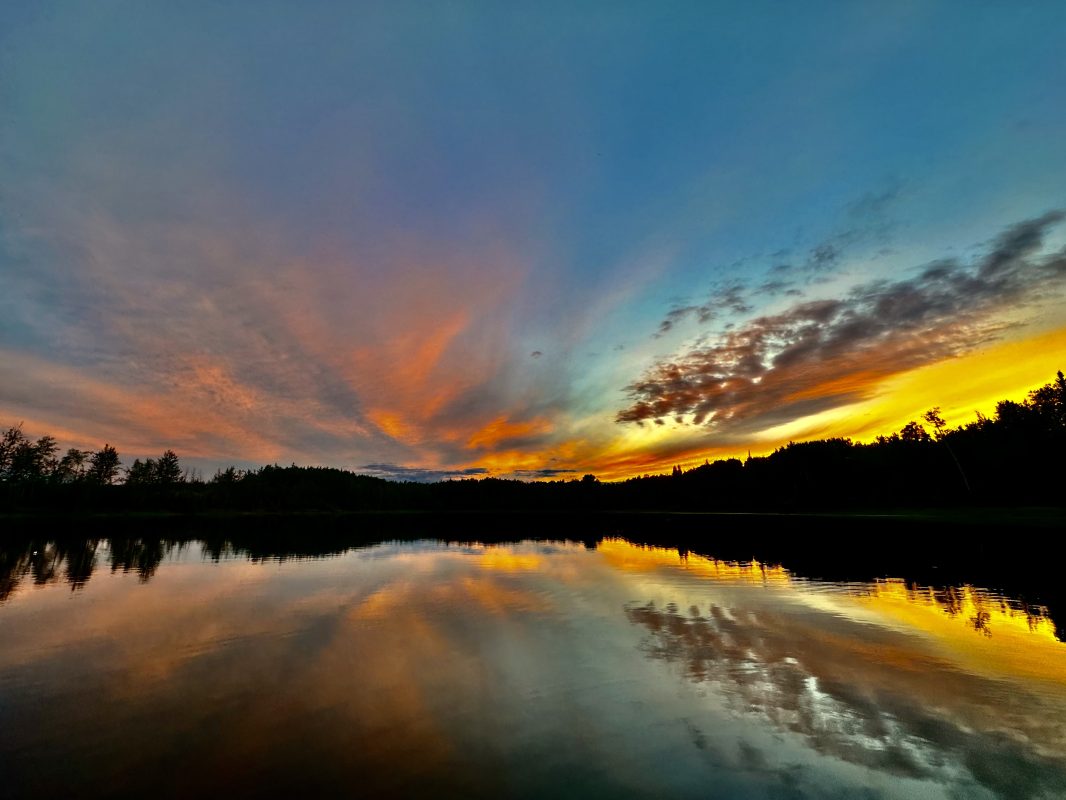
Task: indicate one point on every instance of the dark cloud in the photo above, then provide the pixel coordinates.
(729, 299)
(776, 286)
(874, 205)
(827, 254)
(866, 221)
(823, 256)
(821, 354)
(1016, 243)
(394, 472)
(546, 472)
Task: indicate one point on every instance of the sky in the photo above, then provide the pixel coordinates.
(426, 240)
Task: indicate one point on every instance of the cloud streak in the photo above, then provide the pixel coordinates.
(821, 354)
(395, 472)
(729, 299)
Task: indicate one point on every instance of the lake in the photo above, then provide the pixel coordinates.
(538, 668)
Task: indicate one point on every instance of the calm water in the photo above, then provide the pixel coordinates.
(528, 670)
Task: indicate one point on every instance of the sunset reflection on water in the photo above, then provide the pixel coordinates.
(528, 669)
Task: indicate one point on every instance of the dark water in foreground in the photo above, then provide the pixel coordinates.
(528, 670)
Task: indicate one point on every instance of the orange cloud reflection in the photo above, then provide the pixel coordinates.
(986, 633)
(629, 557)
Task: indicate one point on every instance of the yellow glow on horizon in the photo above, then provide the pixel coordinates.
(975, 382)
(960, 387)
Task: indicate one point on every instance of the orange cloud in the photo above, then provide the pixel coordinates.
(141, 419)
(501, 430)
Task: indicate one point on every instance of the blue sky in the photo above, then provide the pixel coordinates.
(337, 233)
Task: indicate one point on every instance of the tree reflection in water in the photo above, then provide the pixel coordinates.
(473, 655)
(45, 561)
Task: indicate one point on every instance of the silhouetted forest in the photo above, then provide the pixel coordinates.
(1015, 457)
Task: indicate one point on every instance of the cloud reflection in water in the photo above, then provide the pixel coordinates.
(515, 670)
(867, 690)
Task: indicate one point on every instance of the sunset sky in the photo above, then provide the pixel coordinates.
(423, 240)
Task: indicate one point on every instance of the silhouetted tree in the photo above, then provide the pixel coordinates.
(933, 417)
(141, 473)
(72, 466)
(1010, 414)
(33, 461)
(11, 441)
(167, 469)
(228, 475)
(1049, 401)
(914, 432)
(103, 465)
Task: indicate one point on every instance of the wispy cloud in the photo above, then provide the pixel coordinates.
(865, 220)
(727, 299)
(821, 354)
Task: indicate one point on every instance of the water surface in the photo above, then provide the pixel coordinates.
(529, 670)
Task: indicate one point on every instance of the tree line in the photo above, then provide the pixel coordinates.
(24, 460)
(1016, 456)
